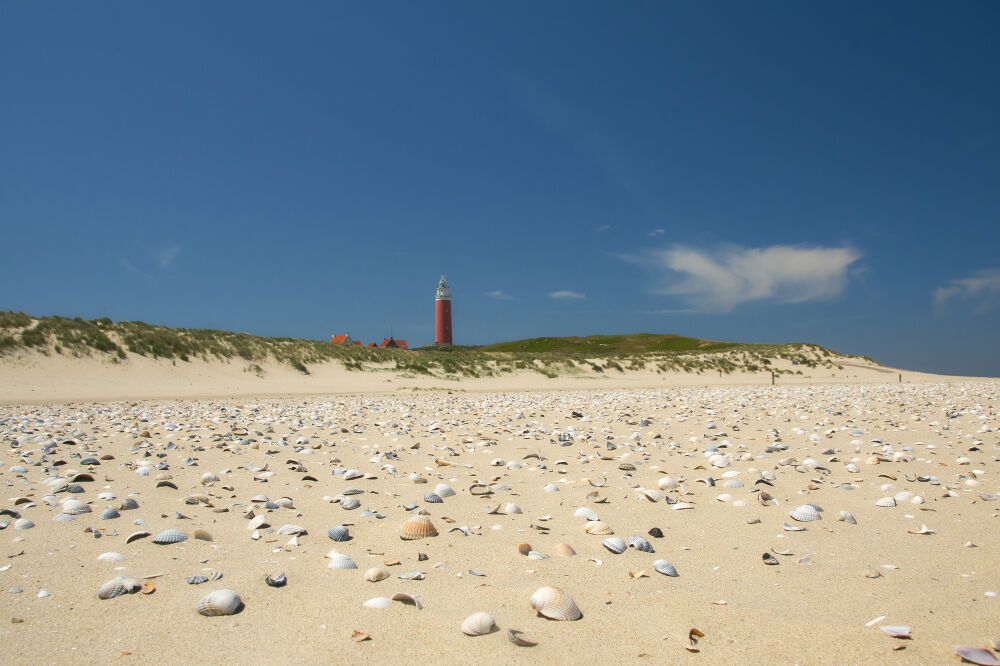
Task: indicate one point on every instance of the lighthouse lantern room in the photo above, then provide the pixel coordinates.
(442, 314)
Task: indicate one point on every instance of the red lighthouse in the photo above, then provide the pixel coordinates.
(442, 314)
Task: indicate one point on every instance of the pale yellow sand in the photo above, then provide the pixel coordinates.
(790, 613)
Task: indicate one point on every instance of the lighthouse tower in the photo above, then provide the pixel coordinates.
(442, 314)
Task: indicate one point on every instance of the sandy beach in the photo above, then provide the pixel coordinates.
(723, 470)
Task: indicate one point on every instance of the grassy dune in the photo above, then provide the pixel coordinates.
(116, 341)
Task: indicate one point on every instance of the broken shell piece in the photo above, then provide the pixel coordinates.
(479, 624)
(553, 603)
(896, 631)
(277, 581)
(886, 502)
(638, 574)
(976, 655)
(847, 518)
(923, 530)
(405, 598)
(514, 636)
(135, 536)
(378, 603)
(769, 559)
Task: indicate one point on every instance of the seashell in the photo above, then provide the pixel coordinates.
(977, 655)
(432, 498)
(116, 587)
(479, 624)
(511, 508)
(444, 490)
(534, 555)
(719, 460)
(352, 490)
(292, 529)
(341, 561)
(285, 502)
(769, 559)
(417, 527)
(640, 543)
(338, 533)
(63, 517)
(375, 574)
(886, 502)
(666, 483)
(805, 513)
(597, 527)
(896, 632)
(665, 568)
(564, 550)
(128, 504)
(350, 503)
(220, 602)
(135, 536)
(656, 533)
(111, 557)
(614, 544)
(650, 494)
(405, 598)
(276, 581)
(196, 580)
(202, 535)
(257, 522)
(585, 512)
(109, 514)
(75, 507)
(378, 603)
(916, 499)
(209, 477)
(682, 505)
(553, 603)
(514, 636)
(169, 536)
(847, 518)
(550, 488)
(524, 548)
(792, 528)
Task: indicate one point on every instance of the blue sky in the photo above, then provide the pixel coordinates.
(766, 171)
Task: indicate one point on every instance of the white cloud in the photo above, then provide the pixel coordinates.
(657, 232)
(719, 281)
(567, 295)
(983, 287)
(603, 227)
(499, 295)
(165, 255)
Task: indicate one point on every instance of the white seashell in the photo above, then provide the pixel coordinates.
(341, 561)
(511, 508)
(550, 488)
(805, 513)
(111, 557)
(665, 568)
(209, 477)
(792, 528)
(614, 544)
(682, 505)
(597, 527)
(75, 507)
(220, 602)
(553, 603)
(847, 518)
(169, 536)
(479, 624)
(719, 460)
(585, 512)
(350, 503)
(257, 522)
(378, 603)
(375, 574)
(116, 587)
(292, 529)
(640, 543)
(23, 524)
(724, 497)
(886, 502)
(666, 483)
(651, 494)
(733, 484)
(443, 490)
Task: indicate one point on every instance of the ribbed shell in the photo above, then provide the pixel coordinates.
(292, 529)
(665, 568)
(585, 512)
(109, 514)
(220, 602)
(338, 533)
(848, 518)
(805, 513)
(651, 494)
(433, 498)
(116, 587)
(666, 483)
(341, 561)
(553, 603)
(417, 527)
(444, 490)
(351, 490)
(63, 517)
(196, 580)
(75, 507)
(597, 527)
(169, 536)
(886, 502)
(478, 624)
(350, 503)
(614, 544)
(640, 543)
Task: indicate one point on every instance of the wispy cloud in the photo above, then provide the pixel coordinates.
(499, 295)
(603, 227)
(127, 265)
(718, 281)
(164, 256)
(983, 289)
(657, 232)
(567, 295)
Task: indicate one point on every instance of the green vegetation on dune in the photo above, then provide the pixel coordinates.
(552, 357)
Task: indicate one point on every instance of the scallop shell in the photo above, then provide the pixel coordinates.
(432, 498)
(553, 603)
(886, 502)
(417, 527)
(169, 536)
(479, 624)
(585, 512)
(292, 529)
(375, 574)
(665, 568)
(128, 504)
(666, 483)
(597, 527)
(116, 587)
(564, 550)
(63, 517)
(651, 494)
(350, 503)
(341, 561)
(220, 602)
(196, 580)
(23, 524)
(75, 507)
(805, 513)
(614, 544)
(847, 518)
(109, 514)
(444, 490)
(338, 533)
(640, 543)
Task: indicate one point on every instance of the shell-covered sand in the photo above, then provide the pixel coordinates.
(930, 566)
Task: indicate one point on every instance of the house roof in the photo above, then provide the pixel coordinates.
(340, 339)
